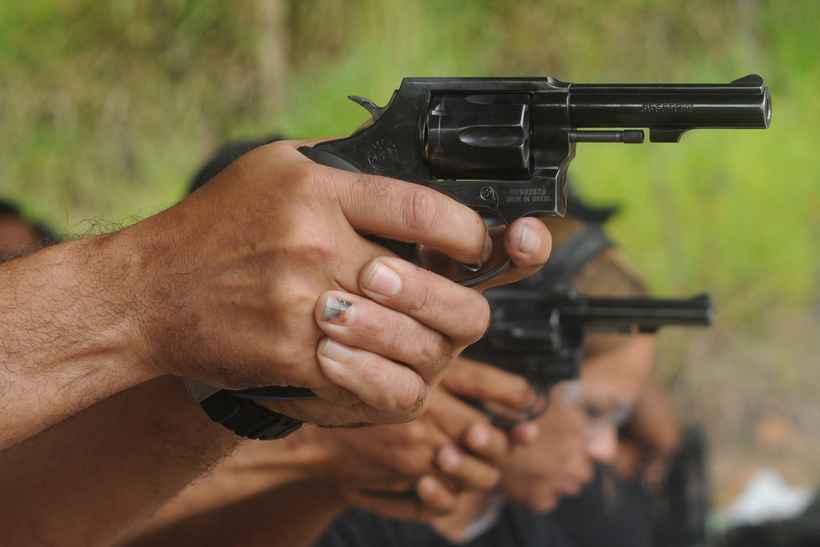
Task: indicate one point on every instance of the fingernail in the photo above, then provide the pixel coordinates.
(336, 309)
(335, 351)
(527, 242)
(449, 458)
(383, 280)
(487, 251)
(479, 436)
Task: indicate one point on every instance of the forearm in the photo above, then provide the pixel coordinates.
(293, 515)
(253, 468)
(68, 333)
(90, 479)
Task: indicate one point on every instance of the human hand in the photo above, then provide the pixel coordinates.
(419, 470)
(557, 464)
(254, 299)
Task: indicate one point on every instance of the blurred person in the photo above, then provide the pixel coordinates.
(18, 234)
(651, 437)
(154, 437)
(230, 304)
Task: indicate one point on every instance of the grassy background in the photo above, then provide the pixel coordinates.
(108, 107)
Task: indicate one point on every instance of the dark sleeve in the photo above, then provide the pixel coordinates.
(224, 156)
(359, 528)
(520, 527)
(609, 511)
(516, 527)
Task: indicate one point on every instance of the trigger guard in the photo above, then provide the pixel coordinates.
(486, 276)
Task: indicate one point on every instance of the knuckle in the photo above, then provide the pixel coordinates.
(312, 248)
(436, 354)
(423, 300)
(402, 397)
(392, 333)
(411, 398)
(289, 293)
(420, 210)
(378, 190)
(478, 321)
(301, 174)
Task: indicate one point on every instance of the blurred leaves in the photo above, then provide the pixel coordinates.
(108, 107)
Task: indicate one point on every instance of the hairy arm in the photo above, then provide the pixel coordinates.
(265, 494)
(105, 471)
(68, 336)
(291, 515)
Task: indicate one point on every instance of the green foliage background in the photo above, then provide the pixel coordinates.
(108, 107)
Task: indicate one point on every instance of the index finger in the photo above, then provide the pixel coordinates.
(410, 212)
(489, 384)
(527, 242)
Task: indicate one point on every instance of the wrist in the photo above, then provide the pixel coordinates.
(69, 334)
(116, 276)
(152, 258)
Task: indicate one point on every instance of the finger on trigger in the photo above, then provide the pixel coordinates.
(486, 383)
(528, 242)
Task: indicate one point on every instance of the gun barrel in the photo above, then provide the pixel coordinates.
(647, 313)
(670, 109)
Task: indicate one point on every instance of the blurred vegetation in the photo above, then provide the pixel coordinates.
(108, 107)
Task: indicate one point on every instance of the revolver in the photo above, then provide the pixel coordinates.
(503, 145)
(541, 337)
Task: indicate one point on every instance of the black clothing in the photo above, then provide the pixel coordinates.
(516, 527)
(224, 156)
(610, 511)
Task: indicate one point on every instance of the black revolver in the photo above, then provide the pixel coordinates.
(503, 145)
(541, 337)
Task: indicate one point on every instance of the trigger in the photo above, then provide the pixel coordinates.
(375, 110)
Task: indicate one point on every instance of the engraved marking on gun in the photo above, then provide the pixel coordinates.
(668, 108)
(381, 153)
(528, 195)
(488, 193)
